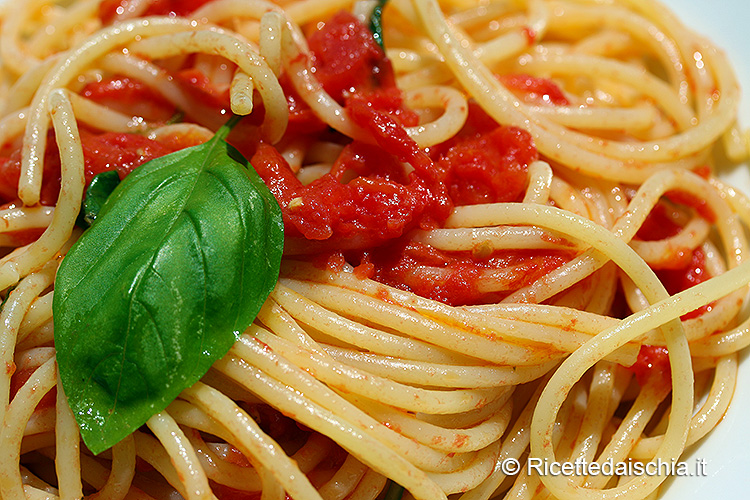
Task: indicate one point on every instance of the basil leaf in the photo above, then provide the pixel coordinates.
(100, 187)
(394, 492)
(175, 268)
(376, 22)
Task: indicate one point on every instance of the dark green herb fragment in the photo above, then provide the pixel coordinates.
(96, 195)
(376, 22)
(395, 491)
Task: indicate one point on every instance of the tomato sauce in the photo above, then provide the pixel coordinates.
(685, 269)
(101, 152)
(20, 377)
(653, 361)
(534, 90)
(131, 97)
(452, 277)
(346, 59)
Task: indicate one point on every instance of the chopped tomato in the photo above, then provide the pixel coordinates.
(201, 89)
(661, 223)
(360, 213)
(174, 8)
(101, 152)
(534, 90)
(368, 112)
(346, 58)
(490, 168)
(130, 96)
(653, 361)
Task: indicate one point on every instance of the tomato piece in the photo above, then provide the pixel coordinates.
(373, 207)
(682, 278)
(388, 132)
(653, 361)
(174, 8)
(202, 90)
(101, 152)
(346, 58)
(699, 204)
(660, 223)
(130, 96)
(108, 9)
(490, 168)
(302, 119)
(10, 172)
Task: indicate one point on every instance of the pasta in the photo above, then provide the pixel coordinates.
(505, 242)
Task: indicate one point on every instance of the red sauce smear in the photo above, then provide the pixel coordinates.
(534, 90)
(20, 377)
(451, 277)
(653, 361)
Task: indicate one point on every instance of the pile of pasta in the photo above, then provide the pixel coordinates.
(351, 387)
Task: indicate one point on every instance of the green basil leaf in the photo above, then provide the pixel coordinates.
(99, 189)
(394, 492)
(180, 259)
(376, 22)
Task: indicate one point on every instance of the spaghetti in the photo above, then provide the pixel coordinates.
(504, 238)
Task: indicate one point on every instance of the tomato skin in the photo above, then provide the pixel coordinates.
(345, 57)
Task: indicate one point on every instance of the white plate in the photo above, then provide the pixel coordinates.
(726, 449)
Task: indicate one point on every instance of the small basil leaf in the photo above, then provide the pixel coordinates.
(181, 258)
(394, 492)
(376, 22)
(99, 189)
